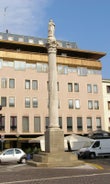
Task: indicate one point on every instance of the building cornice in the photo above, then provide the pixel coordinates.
(39, 57)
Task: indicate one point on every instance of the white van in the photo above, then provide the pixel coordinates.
(95, 148)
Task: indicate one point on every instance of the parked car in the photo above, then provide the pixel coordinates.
(13, 155)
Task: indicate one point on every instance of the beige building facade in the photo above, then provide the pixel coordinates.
(106, 102)
(24, 88)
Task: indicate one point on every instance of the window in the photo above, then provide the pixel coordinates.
(96, 104)
(82, 71)
(20, 65)
(108, 105)
(70, 104)
(17, 151)
(70, 87)
(10, 38)
(1, 37)
(25, 124)
(79, 124)
(68, 45)
(89, 123)
(9, 152)
(11, 101)
(108, 89)
(27, 102)
(41, 42)
(89, 88)
(42, 67)
(96, 72)
(2, 122)
(46, 122)
(69, 124)
(37, 124)
(96, 144)
(13, 122)
(21, 39)
(77, 104)
(39, 67)
(30, 66)
(72, 70)
(35, 102)
(95, 88)
(3, 101)
(62, 69)
(3, 83)
(31, 40)
(11, 83)
(59, 44)
(76, 87)
(34, 84)
(90, 104)
(27, 84)
(60, 122)
(98, 123)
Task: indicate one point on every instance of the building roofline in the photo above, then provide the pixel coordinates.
(106, 80)
(63, 48)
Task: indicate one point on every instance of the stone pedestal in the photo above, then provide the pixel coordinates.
(54, 140)
(55, 156)
(59, 159)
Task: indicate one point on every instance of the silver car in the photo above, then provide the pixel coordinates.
(13, 155)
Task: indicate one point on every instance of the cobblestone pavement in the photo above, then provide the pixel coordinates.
(25, 174)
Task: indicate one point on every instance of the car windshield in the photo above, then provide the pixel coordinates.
(88, 144)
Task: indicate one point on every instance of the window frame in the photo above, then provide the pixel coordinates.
(27, 102)
(89, 88)
(69, 124)
(79, 123)
(11, 83)
(37, 123)
(70, 87)
(27, 84)
(11, 101)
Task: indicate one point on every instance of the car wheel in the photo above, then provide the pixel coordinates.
(23, 160)
(92, 155)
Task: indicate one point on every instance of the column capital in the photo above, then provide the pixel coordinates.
(51, 46)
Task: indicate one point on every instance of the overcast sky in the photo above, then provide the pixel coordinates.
(86, 22)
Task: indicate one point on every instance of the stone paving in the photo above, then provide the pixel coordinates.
(24, 174)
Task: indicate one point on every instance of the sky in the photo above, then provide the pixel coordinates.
(86, 22)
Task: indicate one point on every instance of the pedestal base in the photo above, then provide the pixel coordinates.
(55, 156)
(64, 159)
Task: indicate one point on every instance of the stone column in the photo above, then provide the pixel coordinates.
(54, 154)
(52, 77)
(54, 134)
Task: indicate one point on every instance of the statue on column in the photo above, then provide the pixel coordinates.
(51, 30)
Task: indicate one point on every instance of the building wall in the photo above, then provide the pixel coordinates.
(106, 103)
(20, 93)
